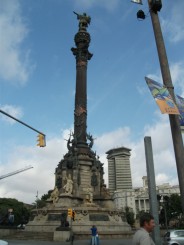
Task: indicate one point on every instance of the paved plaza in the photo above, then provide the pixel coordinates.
(78, 242)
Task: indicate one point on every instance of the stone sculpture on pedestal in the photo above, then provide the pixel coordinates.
(79, 181)
(54, 196)
(69, 185)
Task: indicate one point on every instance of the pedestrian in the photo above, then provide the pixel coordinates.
(97, 239)
(142, 235)
(93, 234)
(11, 218)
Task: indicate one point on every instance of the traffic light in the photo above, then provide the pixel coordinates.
(73, 215)
(41, 140)
(70, 212)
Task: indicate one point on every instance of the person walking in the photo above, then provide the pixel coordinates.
(142, 235)
(93, 234)
(97, 239)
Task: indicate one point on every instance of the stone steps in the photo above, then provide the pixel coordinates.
(27, 235)
(49, 236)
(103, 235)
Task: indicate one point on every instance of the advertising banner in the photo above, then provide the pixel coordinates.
(180, 104)
(162, 97)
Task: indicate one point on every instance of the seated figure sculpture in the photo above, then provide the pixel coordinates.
(54, 195)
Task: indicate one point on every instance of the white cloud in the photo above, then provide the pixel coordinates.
(177, 73)
(109, 5)
(14, 111)
(162, 178)
(119, 137)
(13, 62)
(24, 186)
(174, 26)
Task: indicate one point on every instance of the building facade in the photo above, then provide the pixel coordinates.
(119, 172)
(138, 198)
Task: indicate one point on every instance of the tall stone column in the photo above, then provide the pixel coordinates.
(80, 162)
(82, 55)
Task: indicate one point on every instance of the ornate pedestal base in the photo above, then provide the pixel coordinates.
(110, 223)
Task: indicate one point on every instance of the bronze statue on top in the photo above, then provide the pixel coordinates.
(84, 20)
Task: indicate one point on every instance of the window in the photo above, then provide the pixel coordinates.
(179, 233)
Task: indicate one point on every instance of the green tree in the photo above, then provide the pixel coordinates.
(20, 211)
(46, 196)
(129, 216)
(174, 205)
(140, 213)
(173, 208)
(40, 203)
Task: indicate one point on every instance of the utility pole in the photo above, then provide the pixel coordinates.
(174, 120)
(152, 188)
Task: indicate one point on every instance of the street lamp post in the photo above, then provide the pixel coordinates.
(163, 205)
(174, 120)
(37, 203)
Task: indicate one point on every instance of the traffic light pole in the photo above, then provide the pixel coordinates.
(174, 119)
(70, 214)
(71, 232)
(21, 122)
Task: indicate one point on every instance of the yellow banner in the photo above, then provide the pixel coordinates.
(162, 97)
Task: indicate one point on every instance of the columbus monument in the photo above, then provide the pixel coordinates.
(79, 181)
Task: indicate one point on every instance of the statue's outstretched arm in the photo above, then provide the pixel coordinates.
(76, 14)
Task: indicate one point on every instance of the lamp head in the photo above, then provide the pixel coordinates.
(141, 14)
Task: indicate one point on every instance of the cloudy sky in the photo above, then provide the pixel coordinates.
(37, 86)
